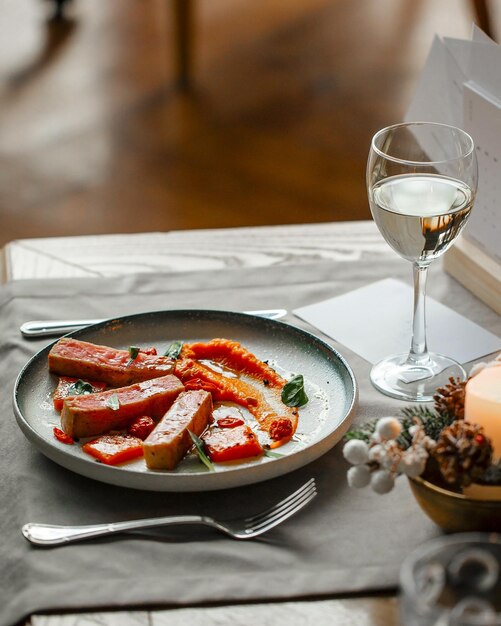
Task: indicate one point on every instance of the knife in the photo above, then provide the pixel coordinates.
(53, 328)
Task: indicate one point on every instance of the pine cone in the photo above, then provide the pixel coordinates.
(449, 400)
(463, 452)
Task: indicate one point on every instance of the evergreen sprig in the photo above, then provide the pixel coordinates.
(433, 422)
(362, 431)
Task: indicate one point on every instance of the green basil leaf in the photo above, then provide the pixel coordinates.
(174, 350)
(293, 393)
(133, 351)
(200, 447)
(113, 402)
(80, 388)
(273, 455)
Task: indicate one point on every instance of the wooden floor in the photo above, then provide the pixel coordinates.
(95, 138)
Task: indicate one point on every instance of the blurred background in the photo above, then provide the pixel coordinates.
(97, 135)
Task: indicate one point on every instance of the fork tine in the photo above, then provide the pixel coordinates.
(282, 507)
(281, 518)
(306, 488)
(284, 511)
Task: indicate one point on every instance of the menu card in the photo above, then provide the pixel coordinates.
(461, 85)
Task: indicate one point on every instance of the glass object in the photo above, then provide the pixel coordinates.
(421, 183)
(453, 581)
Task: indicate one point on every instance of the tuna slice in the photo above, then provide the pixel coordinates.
(98, 413)
(170, 440)
(80, 359)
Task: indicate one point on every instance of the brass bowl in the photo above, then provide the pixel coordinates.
(453, 511)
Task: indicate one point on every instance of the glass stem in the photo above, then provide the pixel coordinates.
(418, 355)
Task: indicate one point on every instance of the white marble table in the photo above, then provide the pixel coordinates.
(181, 251)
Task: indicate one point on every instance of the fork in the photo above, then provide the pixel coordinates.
(243, 528)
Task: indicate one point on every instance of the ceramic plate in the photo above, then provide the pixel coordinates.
(329, 383)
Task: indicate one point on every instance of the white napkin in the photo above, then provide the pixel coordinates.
(375, 321)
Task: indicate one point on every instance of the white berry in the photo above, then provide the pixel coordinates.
(359, 476)
(388, 428)
(382, 481)
(356, 451)
(412, 465)
(377, 453)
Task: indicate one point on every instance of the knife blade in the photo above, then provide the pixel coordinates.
(53, 328)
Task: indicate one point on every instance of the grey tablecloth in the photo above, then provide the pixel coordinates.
(345, 541)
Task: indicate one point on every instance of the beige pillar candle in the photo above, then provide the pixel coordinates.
(483, 404)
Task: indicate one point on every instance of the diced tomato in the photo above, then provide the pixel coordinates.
(62, 436)
(141, 427)
(114, 449)
(230, 444)
(64, 389)
(230, 422)
(151, 350)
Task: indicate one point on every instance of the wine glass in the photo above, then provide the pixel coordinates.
(453, 580)
(421, 182)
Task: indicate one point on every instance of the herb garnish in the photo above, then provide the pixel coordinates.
(113, 402)
(133, 351)
(174, 350)
(293, 393)
(200, 447)
(270, 453)
(80, 388)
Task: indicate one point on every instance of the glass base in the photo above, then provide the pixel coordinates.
(395, 377)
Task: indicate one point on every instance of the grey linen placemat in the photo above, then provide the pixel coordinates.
(345, 541)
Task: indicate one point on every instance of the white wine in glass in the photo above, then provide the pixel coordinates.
(421, 182)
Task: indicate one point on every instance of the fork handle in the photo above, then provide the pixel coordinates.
(53, 535)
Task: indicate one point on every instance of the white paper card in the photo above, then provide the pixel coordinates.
(439, 94)
(479, 35)
(376, 321)
(482, 119)
(461, 85)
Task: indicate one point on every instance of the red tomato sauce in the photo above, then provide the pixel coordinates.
(235, 357)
